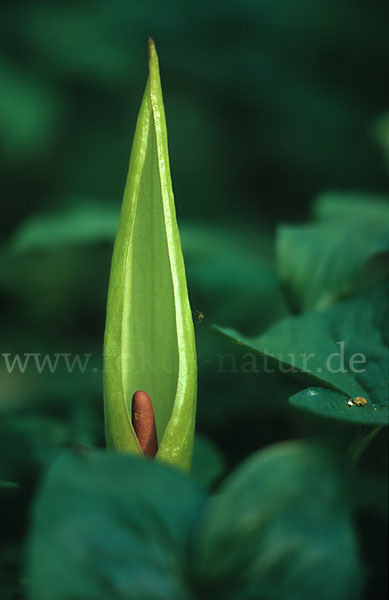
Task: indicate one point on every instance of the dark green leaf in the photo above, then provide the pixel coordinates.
(343, 347)
(83, 222)
(8, 485)
(232, 271)
(208, 463)
(112, 526)
(279, 529)
(320, 262)
(380, 131)
(334, 405)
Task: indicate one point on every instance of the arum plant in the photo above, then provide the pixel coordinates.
(149, 347)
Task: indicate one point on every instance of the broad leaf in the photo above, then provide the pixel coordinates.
(112, 526)
(334, 405)
(83, 222)
(232, 274)
(320, 262)
(279, 528)
(149, 338)
(343, 347)
(8, 485)
(208, 463)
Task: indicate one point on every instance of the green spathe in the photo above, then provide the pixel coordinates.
(149, 338)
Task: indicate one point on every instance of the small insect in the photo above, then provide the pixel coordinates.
(199, 317)
(357, 401)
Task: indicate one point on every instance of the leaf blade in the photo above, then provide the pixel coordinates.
(324, 346)
(271, 529)
(97, 534)
(321, 262)
(330, 404)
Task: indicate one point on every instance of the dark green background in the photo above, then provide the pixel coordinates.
(268, 104)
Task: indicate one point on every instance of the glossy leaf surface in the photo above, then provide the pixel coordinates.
(334, 405)
(343, 347)
(149, 339)
(108, 525)
(323, 261)
(279, 528)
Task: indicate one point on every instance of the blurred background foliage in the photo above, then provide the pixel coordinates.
(269, 103)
